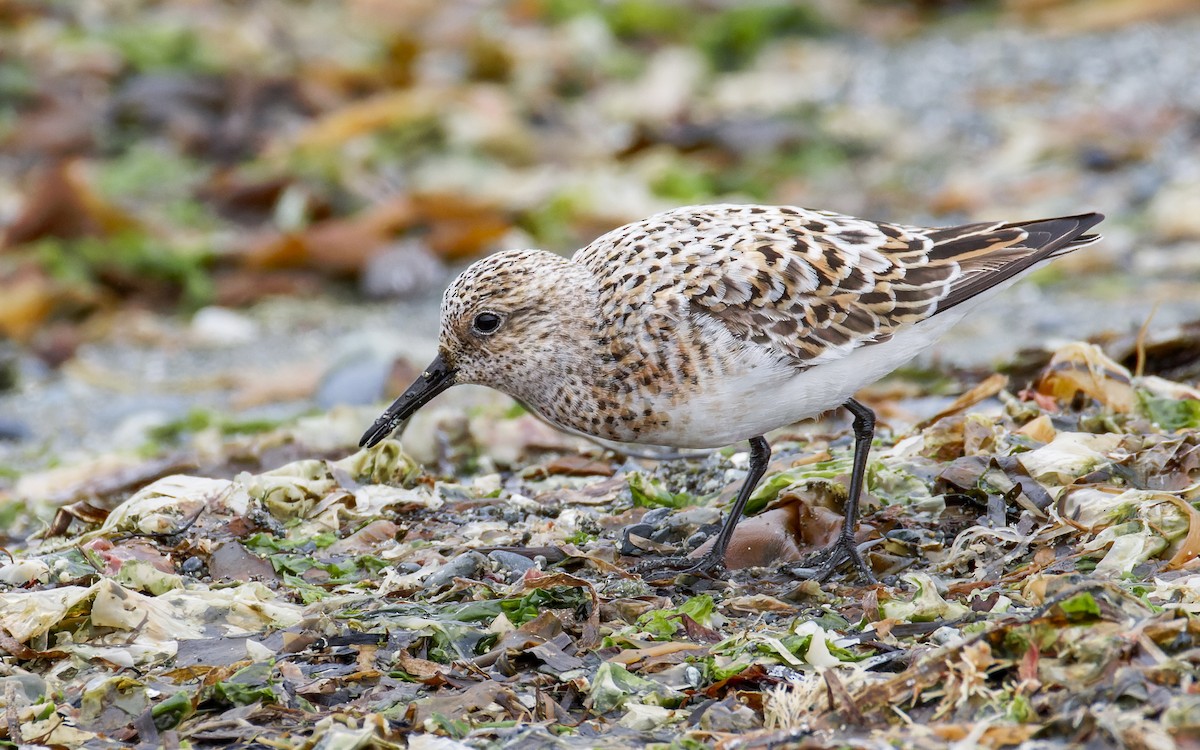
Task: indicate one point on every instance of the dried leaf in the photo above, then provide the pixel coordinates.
(26, 614)
(1069, 456)
(369, 115)
(981, 391)
(1084, 368)
(1040, 429)
(1189, 548)
(578, 466)
(62, 204)
(30, 297)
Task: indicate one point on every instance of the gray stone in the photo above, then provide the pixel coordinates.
(466, 565)
(643, 530)
(511, 562)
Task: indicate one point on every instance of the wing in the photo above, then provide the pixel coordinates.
(814, 285)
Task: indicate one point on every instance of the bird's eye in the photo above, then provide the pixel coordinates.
(486, 322)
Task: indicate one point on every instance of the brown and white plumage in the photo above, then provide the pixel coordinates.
(707, 325)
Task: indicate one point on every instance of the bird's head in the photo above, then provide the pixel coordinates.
(506, 320)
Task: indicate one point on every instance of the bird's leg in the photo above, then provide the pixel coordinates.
(844, 548)
(714, 560)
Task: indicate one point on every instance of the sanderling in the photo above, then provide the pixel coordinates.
(708, 325)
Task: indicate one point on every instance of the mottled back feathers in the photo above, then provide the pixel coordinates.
(808, 285)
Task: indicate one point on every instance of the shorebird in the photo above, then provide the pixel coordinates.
(708, 325)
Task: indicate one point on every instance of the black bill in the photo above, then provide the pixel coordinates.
(436, 378)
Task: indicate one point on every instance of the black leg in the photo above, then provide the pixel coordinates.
(760, 456)
(844, 548)
(714, 559)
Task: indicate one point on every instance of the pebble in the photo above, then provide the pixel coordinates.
(14, 430)
(946, 636)
(359, 378)
(512, 563)
(466, 565)
(701, 515)
(729, 716)
(655, 515)
(628, 547)
(33, 687)
(220, 326)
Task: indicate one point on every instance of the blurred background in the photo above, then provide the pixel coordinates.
(219, 215)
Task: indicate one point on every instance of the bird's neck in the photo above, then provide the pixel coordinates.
(597, 360)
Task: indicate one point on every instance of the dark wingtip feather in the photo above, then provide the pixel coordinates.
(1060, 235)
(1045, 239)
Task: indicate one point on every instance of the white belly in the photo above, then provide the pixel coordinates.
(766, 396)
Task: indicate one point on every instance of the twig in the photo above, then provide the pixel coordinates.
(1139, 343)
(850, 708)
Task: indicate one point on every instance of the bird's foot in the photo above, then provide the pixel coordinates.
(655, 569)
(844, 550)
